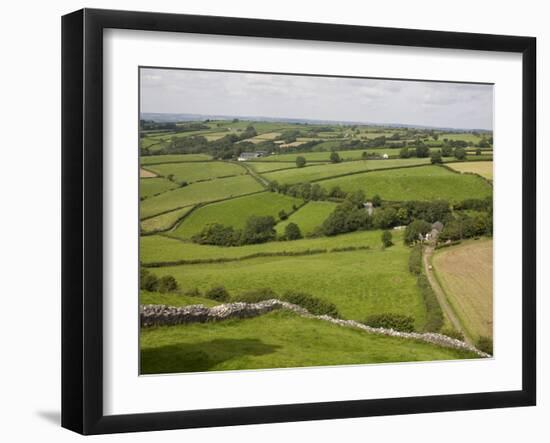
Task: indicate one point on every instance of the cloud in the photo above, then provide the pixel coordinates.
(456, 105)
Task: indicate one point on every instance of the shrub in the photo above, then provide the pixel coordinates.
(397, 322)
(415, 259)
(434, 315)
(485, 344)
(387, 238)
(313, 304)
(282, 214)
(436, 158)
(256, 295)
(194, 292)
(453, 333)
(167, 283)
(300, 162)
(335, 157)
(148, 281)
(292, 232)
(218, 293)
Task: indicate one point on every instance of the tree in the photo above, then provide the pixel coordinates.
(435, 137)
(422, 151)
(404, 153)
(376, 201)
(436, 157)
(447, 151)
(282, 214)
(478, 151)
(300, 161)
(258, 229)
(335, 157)
(167, 283)
(460, 153)
(385, 218)
(148, 281)
(364, 155)
(387, 239)
(292, 232)
(415, 229)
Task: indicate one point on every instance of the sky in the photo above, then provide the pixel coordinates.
(436, 104)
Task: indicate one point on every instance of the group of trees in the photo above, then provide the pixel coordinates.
(257, 229)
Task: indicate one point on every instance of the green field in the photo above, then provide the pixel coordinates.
(359, 283)
(175, 158)
(173, 299)
(192, 172)
(308, 217)
(152, 186)
(164, 221)
(199, 192)
(300, 175)
(276, 340)
(421, 183)
(234, 212)
(262, 167)
(159, 248)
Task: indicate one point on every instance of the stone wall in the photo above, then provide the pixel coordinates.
(162, 315)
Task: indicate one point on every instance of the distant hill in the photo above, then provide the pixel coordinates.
(180, 117)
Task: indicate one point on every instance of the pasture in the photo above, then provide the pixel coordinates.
(308, 217)
(418, 183)
(485, 169)
(359, 283)
(164, 221)
(172, 158)
(234, 212)
(160, 248)
(192, 172)
(318, 172)
(197, 193)
(152, 186)
(144, 173)
(275, 340)
(262, 167)
(465, 272)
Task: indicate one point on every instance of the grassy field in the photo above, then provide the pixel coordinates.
(276, 340)
(300, 175)
(485, 169)
(173, 299)
(199, 192)
(159, 248)
(308, 217)
(174, 158)
(192, 172)
(151, 186)
(359, 283)
(234, 212)
(465, 272)
(262, 167)
(164, 221)
(421, 183)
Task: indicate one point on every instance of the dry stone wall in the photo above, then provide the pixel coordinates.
(162, 315)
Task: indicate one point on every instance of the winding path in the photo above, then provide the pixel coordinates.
(440, 293)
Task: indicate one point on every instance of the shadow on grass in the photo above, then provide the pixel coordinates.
(199, 357)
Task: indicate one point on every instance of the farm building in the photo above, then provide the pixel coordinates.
(244, 156)
(385, 156)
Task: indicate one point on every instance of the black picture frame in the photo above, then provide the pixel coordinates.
(82, 218)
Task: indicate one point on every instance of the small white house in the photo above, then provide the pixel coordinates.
(385, 156)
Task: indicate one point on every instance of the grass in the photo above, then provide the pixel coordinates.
(192, 172)
(262, 167)
(151, 186)
(159, 248)
(465, 272)
(234, 212)
(173, 299)
(325, 155)
(420, 183)
(173, 158)
(276, 340)
(199, 192)
(299, 175)
(359, 283)
(485, 169)
(309, 217)
(163, 222)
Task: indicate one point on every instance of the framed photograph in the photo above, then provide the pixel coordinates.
(269, 221)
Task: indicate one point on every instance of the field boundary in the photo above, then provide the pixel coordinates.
(200, 261)
(162, 315)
